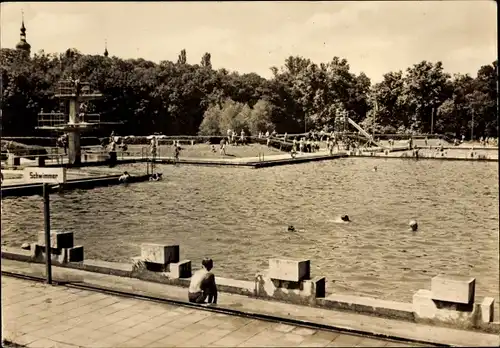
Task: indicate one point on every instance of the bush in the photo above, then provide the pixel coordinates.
(23, 150)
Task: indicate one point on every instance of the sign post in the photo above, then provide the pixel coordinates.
(46, 176)
(46, 218)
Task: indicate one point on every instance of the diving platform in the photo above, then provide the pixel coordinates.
(75, 119)
(70, 89)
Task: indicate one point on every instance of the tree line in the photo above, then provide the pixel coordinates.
(181, 98)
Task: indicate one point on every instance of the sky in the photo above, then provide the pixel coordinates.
(375, 37)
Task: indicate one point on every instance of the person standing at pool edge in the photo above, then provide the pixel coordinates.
(203, 285)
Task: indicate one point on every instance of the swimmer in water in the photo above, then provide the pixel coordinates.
(375, 168)
(291, 228)
(343, 219)
(413, 225)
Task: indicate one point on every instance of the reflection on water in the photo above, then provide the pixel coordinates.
(239, 217)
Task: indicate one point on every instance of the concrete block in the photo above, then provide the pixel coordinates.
(159, 253)
(180, 269)
(58, 239)
(75, 254)
(423, 305)
(41, 161)
(13, 160)
(318, 286)
(56, 255)
(453, 289)
(427, 309)
(487, 309)
(301, 292)
(138, 264)
(289, 270)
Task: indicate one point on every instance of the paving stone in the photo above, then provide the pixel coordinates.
(134, 343)
(293, 339)
(113, 340)
(266, 338)
(231, 340)
(398, 344)
(95, 324)
(179, 337)
(42, 343)
(162, 343)
(345, 341)
(113, 328)
(304, 331)
(200, 341)
(283, 327)
(328, 335)
(96, 334)
(63, 337)
(24, 340)
(154, 336)
(311, 342)
(82, 341)
(51, 330)
(148, 326)
(65, 345)
(371, 342)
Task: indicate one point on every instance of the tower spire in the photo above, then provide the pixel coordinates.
(23, 44)
(106, 48)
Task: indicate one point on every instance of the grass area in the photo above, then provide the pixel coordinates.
(205, 151)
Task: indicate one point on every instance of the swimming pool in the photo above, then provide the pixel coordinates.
(239, 217)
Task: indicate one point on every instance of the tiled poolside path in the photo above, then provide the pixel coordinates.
(39, 315)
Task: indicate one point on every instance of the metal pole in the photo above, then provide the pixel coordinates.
(432, 121)
(472, 128)
(46, 218)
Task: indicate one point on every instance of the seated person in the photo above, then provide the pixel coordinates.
(124, 177)
(155, 177)
(202, 286)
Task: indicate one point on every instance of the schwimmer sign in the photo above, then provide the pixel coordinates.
(45, 175)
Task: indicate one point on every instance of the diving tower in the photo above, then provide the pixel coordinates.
(75, 95)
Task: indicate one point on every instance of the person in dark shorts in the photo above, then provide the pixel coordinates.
(202, 286)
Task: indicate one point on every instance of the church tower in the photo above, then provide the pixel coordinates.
(23, 44)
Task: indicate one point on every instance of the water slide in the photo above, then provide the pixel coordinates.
(366, 134)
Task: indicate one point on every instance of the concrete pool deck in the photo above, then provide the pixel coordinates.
(339, 320)
(33, 313)
(253, 162)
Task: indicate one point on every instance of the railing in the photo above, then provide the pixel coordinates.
(57, 119)
(91, 118)
(52, 119)
(69, 88)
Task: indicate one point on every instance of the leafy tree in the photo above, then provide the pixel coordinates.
(211, 121)
(182, 57)
(206, 61)
(179, 98)
(426, 88)
(260, 118)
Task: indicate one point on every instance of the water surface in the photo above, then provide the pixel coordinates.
(239, 217)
